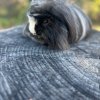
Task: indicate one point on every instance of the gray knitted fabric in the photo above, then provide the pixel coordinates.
(30, 71)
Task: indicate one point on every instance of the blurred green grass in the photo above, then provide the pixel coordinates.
(14, 12)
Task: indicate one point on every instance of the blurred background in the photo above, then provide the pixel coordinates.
(13, 12)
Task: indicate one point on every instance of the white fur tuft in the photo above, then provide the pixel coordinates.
(32, 23)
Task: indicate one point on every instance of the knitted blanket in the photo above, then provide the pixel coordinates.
(31, 71)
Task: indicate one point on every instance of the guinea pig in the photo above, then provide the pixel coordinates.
(56, 23)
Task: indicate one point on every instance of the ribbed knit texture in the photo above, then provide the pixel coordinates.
(30, 71)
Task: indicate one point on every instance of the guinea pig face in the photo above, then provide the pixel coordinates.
(49, 30)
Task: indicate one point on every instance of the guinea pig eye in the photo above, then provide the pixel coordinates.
(46, 22)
